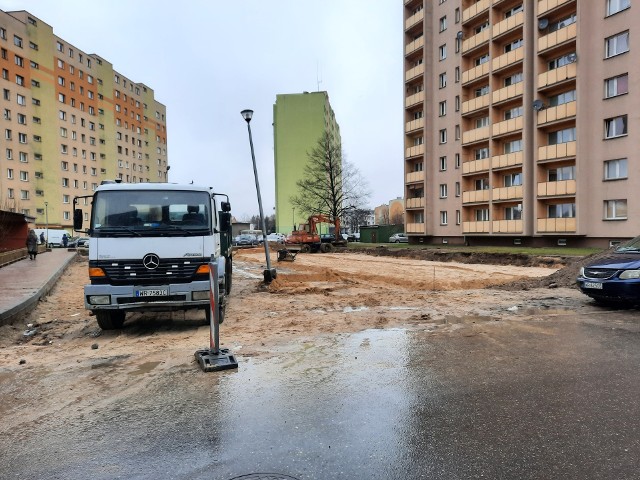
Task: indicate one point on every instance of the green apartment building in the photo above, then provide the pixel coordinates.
(69, 121)
(299, 120)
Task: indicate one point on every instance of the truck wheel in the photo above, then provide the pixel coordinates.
(305, 249)
(110, 320)
(326, 247)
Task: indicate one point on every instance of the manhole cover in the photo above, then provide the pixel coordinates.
(264, 476)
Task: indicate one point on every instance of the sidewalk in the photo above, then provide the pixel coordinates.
(25, 282)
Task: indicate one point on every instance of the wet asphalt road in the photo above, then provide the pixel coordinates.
(548, 396)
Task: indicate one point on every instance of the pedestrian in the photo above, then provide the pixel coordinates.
(32, 244)
(65, 240)
(42, 239)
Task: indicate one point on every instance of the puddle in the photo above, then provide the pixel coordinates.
(145, 368)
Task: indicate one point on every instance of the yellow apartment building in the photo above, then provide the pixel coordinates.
(519, 122)
(69, 121)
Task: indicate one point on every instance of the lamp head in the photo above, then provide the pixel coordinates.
(247, 114)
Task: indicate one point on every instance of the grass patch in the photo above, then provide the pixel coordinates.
(539, 251)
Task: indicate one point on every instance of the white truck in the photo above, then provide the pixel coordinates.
(150, 245)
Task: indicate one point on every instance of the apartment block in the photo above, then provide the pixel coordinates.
(299, 121)
(69, 121)
(519, 122)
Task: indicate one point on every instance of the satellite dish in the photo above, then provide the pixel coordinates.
(543, 23)
(572, 57)
(459, 35)
(538, 105)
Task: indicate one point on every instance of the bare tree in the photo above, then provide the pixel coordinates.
(330, 185)
(397, 218)
(357, 217)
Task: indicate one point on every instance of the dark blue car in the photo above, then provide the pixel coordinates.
(614, 278)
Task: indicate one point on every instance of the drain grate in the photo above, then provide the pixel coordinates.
(264, 476)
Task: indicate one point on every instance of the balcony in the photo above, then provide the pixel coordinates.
(507, 93)
(507, 160)
(508, 24)
(557, 38)
(414, 202)
(557, 75)
(417, 44)
(507, 59)
(476, 41)
(507, 226)
(554, 114)
(507, 126)
(476, 227)
(545, 6)
(414, 72)
(556, 152)
(475, 104)
(475, 135)
(415, 151)
(556, 225)
(414, 99)
(474, 10)
(507, 193)
(554, 189)
(414, 19)
(475, 166)
(476, 196)
(475, 73)
(414, 177)
(414, 125)
(415, 228)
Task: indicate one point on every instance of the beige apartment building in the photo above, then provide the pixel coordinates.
(521, 121)
(69, 121)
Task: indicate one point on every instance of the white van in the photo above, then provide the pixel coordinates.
(54, 238)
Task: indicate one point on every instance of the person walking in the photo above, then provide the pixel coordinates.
(42, 239)
(65, 240)
(32, 244)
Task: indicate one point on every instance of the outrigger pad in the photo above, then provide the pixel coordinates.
(212, 362)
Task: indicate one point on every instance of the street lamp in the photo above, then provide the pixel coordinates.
(269, 273)
(46, 220)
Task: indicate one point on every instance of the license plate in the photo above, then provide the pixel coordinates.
(152, 293)
(596, 285)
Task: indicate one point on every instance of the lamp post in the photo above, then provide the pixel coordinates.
(269, 273)
(46, 221)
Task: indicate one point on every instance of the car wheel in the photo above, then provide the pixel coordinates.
(110, 320)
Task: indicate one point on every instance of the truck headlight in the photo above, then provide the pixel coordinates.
(200, 295)
(628, 274)
(581, 271)
(100, 299)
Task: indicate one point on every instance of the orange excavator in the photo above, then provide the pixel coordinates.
(307, 239)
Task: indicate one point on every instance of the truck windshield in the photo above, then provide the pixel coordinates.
(150, 212)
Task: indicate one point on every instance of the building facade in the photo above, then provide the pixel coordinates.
(519, 129)
(69, 121)
(299, 121)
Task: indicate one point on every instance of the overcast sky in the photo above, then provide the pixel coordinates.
(209, 59)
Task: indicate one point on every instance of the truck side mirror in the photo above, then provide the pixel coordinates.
(77, 219)
(225, 206)
(225, 220)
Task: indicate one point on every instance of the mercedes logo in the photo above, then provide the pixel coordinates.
(151, 261)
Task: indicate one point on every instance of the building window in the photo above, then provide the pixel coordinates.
(457, 103)
(512, 179)
(617, 44)
(442, 108)
(513, 213)
(17, 41)
(64, 165)
(562, 61)
(512, 113)
(561, 173)
(443, 23)
(9, 154)
(482, 122)
(22, 137)
(562, 136)
(615, 169)
(10, 173)
(513, 79)
(616, 86)
(65, 198)
(21, 99)
(513, 11)
(24, 194)
(513, 146)
(481, 59)
(615, 209)
(457, 161)
(458, 217)
(615, 6)
(482, 214)
(615, 127)
(562, 98)
(443, 164)
(24, 176)
(443, 136)
(443, 217)
(24, 157)
(457, 75)
(509, 47)
(457, 187)
(22, 119)
(442, 80)
(561, 210)
(443, 190)
(481, 153)
(19, 61)
(442, 52)
(479, 92)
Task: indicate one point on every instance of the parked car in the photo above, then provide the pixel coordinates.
(349, 237)
(245, 240)
(76, 242)
(615, 277)
(398, 238)
(327, 238)
(275, 238)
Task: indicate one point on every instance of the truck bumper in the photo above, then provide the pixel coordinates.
(162, 297)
